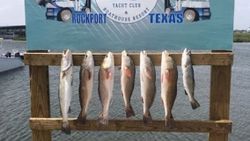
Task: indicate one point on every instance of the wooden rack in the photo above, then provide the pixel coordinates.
(218, 126)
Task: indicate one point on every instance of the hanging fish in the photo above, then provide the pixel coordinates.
(127, 82)
(105, 87)
(188, 77)
(148, 88)
(65, 87)
(169, 76)
(86, 84)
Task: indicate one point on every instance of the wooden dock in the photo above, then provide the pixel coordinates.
(218, 126)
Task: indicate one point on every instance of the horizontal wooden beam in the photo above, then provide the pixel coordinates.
(220, 126)
(203, 58)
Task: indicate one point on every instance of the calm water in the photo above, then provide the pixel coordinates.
(15, 104)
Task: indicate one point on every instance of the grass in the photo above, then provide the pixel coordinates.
(23, 38)
(241, 37)
(238, 37)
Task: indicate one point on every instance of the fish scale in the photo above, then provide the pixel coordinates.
(86, 85)
(147, 81)
(65, 88)
(105, 87)
(169, 76)
(188, 78)
(127, 82)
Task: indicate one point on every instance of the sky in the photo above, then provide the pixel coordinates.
(12, 13)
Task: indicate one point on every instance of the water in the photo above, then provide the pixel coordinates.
(12, 46)
(15, 104)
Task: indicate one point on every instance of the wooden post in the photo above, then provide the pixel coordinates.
(40, 102)
(220, 98)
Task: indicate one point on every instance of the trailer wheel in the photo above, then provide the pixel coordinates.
(65, 15)
(190, 15)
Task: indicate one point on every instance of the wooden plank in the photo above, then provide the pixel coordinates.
(222, 126)
(220, 98)
(203, 58)
(40, 103)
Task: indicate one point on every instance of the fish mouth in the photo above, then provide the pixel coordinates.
(143, 53)
(165, 52)
(186, 51)
(66, 52)
(88, 54)
(107, 63)
(110, 54)
(124, 53)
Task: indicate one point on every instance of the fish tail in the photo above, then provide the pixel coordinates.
(66, 128)
(129, 111)
(103, 119)
(147, 118)
(169, 121)
(195, 104)
(82, 118)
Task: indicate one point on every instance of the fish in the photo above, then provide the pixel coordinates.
(86, 84)
(188, 78)
(169, 77)
(147, 82)
(105, 87)
(127, 82)
(65, 88)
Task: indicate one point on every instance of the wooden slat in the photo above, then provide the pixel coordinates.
(40, 102)
(208, 58)
(220, 98)
(222, 126)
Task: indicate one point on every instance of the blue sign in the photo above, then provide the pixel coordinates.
(115, 25)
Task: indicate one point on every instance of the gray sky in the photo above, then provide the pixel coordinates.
(12, 13)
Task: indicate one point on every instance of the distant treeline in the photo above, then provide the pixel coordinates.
(18, 33)
(241, 36)
(13, 32)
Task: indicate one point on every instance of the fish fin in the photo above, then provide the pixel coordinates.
(103, 120)
(171, 116)
(166, 74)
(63, 74)
(119, 68)
(195, 104)
(66, 68)
(169, 121)
(147, 118)
(69, 111)
(192, 71)
(66, 128)
(148, 72)
(128, 72)
(129, 111)
(82, 119)
(108, 74)
(142, 100)
(162, 102)
(88, 74)
(185, 92)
